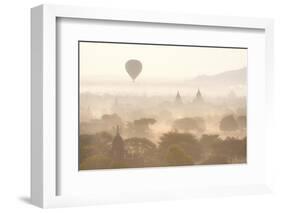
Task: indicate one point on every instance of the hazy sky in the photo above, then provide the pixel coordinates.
(106, 61)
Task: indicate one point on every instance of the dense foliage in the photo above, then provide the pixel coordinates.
(173, 149)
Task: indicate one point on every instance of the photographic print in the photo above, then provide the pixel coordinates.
(157, 105)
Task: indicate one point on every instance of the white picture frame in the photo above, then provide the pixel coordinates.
(44, 83)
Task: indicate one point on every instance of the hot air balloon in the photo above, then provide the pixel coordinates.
(133, 68)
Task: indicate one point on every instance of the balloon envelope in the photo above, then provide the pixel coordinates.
(133, 68)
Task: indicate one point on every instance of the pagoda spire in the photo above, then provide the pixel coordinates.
(198, 95)
(198, 98)
(178, 98)
(118, 147)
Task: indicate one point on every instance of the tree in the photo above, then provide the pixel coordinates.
(96, 162)
(186, 141)
(228, 123)
(98, 144)
(140, 128)
(177, 157)
(112, 118)
(190, 124)
(229, 150)
(235, 148)
(110, 121)
(209, 144)
(141, 151)
(242, 121)
(210, 140)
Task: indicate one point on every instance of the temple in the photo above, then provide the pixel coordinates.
(178, 99)
(117, 147)
(198, 98)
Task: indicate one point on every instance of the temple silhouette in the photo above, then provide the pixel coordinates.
(198, 98)
(118, 147)
(178, 99)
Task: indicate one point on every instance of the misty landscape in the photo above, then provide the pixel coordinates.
(170, 111)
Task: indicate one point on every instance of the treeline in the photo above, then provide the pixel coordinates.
(173, 149)
(227, 125)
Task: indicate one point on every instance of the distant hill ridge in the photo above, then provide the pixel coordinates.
(232, 77)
